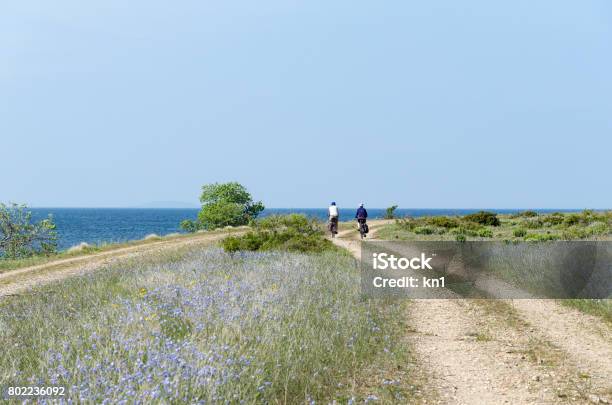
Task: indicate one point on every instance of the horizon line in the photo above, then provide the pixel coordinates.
(324, 207)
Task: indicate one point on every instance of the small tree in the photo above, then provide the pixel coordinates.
(224, 204)
(20, 237)
(390, 214)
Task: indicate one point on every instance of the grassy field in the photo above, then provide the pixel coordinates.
(204, 325)
(526, 226)
(521, 227)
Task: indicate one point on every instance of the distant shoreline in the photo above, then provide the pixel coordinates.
(346, 207)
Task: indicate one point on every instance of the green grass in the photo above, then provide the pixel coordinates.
(601, 308)
(526, 226)
(201, 324)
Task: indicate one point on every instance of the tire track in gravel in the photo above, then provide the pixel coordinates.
(470, 356)
(21, 280)
(586, 339)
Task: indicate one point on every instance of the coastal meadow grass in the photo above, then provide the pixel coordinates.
(208, 327)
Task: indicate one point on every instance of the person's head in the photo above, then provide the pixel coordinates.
(333, 203)
(361, 205)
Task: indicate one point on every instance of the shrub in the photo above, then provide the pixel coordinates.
(574, 232)
(390, 213)
(465, 231)
(519, 232)
(424, 230)
(541, 237)
(460, 238)
(533, 223)
(572, 219)
(21, 237)
(483, 218)
(598, 228)
(443, 222)
(485, 233)
(580, 232)
(189, 225)
(528, 214)
(294, 233)
(590, 216)
(407, 224)
(556, 218)
(472, 226)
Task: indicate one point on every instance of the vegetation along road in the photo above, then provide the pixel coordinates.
(459, 351)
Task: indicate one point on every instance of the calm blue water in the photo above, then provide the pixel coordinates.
(99, 225)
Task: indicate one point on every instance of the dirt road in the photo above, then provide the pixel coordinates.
(20, 280)
(505, 351)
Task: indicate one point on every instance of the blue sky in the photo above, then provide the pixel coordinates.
(423, 104)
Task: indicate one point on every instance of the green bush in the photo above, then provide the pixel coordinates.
(519, 232)
(465, 231)
(472, 226)
(485, 233)
(407, 224)
(582, 232)
(541, 237)
(533, 223)
(553, 219)
(598, 228)
(424, 230)
(443, 222)
(572, 219)
(483, 218)
(460, 237)
(390, 213)
(188, 225)
(589, 217)
(574, 232)
(294, 233)
(21, 237)
(528, 214)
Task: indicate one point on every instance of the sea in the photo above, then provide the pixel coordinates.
(113, 225)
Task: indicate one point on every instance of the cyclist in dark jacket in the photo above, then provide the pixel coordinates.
(361, 212)
(361, 216)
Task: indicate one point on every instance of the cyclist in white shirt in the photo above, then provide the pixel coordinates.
(333, 218)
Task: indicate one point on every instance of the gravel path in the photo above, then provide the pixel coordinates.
(506, 351)
(20, 280)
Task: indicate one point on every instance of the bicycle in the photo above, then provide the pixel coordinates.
(333, 226)
(363, 228)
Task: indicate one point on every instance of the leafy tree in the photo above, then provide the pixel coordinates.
(390, 214)
(20, 237)
(224, 204)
